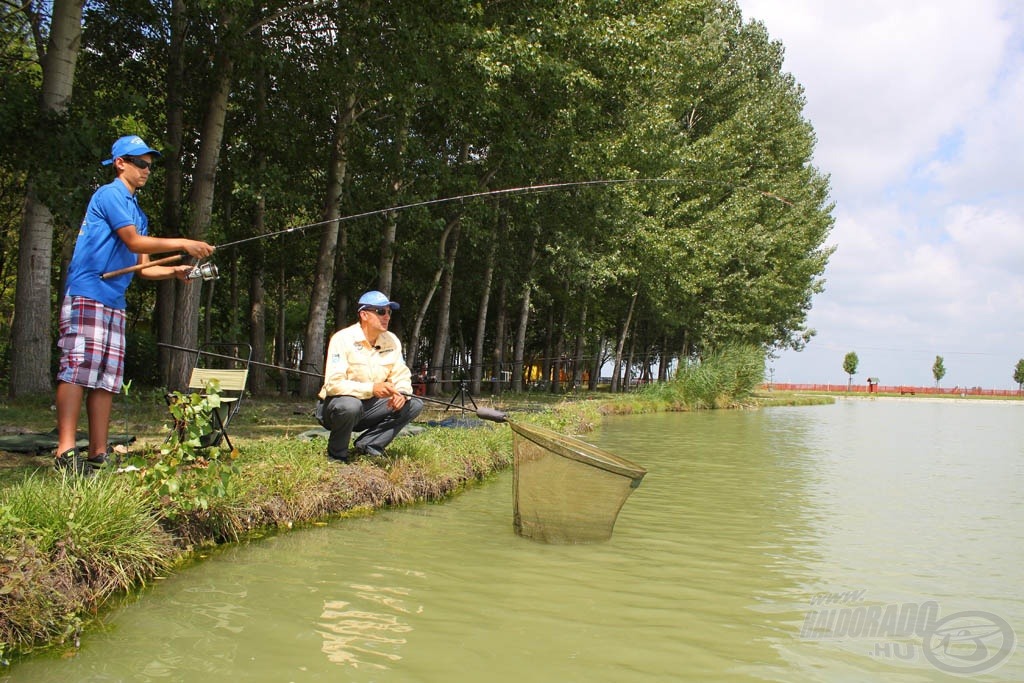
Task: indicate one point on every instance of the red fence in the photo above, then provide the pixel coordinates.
(900, 389)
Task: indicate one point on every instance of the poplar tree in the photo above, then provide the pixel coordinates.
(850, 362)
(58, 41)
(938, 370)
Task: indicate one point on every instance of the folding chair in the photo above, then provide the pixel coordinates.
(229, 365)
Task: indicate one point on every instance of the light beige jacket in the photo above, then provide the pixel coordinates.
(354, 366)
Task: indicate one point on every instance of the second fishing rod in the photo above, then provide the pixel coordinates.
(489, 414)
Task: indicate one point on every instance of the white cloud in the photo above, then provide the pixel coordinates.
(886, 82)
(989, 160)
(989, 238)
(916, 105)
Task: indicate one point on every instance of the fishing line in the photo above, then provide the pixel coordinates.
(205, 271)
(526, 189)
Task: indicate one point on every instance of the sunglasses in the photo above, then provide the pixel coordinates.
(379, 311)
(137, 162)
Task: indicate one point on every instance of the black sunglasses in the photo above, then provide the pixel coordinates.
(379, 311)
(137, 162)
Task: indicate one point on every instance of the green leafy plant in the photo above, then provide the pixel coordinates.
(190, 472)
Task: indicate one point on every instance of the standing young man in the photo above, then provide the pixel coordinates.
(366, 383)
(114, 235)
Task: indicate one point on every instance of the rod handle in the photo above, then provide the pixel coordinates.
(142, 266)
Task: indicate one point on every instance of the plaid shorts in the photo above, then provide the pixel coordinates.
(91, 344)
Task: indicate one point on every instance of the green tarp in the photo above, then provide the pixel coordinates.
(38, 443)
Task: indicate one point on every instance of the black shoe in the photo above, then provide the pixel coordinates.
(340, 460)
(371, 451)
(97, 462)
(71, 461)
(65, 460)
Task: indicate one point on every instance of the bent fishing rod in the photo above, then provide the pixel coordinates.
(208, 271)
(483, 413)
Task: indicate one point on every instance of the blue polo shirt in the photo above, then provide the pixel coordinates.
(99, 249)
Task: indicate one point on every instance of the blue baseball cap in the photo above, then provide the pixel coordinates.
(375, 299)
(129, 146)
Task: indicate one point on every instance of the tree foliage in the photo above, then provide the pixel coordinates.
(938, 369)
(850, 362)
(332, 110)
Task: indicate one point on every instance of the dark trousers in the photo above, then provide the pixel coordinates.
(380, 425)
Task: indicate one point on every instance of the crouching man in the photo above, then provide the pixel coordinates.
(366, 383)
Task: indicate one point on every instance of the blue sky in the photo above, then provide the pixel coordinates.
(918, 107)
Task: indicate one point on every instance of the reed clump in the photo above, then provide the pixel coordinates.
(724, 378)
(68, 543)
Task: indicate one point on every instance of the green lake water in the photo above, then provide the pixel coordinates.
(784, 544)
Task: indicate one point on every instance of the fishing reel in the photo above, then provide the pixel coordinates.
(203, 271)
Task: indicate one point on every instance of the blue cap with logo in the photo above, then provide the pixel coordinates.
(375, 299)
(129, 146)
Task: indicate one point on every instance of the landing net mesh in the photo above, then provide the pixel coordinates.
(566, 490)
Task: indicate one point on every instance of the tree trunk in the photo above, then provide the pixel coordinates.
(257, 291)
(386, 264)
(30, 329)
(257, 331)
(412, 348)
(596, 363)
(500, 325)
(622, 343)
(477, 357)
(547, 354)
(386, 267)
(444, 304)
(627, 371)
(171, 163)
(186, 308)
(581, 345)
(559, 355)
(663, 360)
(281, 337)
(519, 350)
(341, 293)
(61, 55)
(316, 325)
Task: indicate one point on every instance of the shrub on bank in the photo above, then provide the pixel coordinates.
(723, 379)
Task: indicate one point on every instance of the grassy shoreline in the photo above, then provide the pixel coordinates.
(60, 573)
